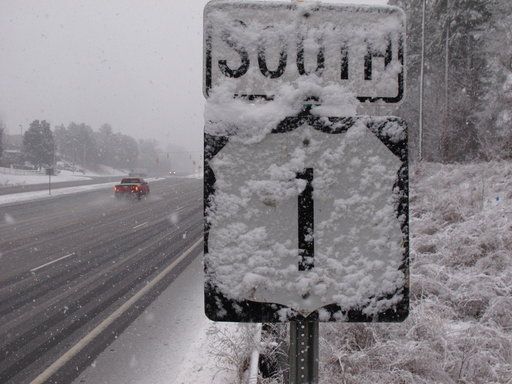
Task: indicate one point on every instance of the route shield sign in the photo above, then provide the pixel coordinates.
(309, 219)
(264, 44)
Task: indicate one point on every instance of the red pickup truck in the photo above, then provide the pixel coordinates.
(131, 187)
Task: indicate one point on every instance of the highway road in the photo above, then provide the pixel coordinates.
(69, 265)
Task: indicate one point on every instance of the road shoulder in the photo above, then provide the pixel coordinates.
(169, 341)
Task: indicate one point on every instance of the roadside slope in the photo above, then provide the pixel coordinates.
(460, 325)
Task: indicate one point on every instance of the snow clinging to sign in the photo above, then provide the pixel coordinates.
(265, 44)
(306, 202)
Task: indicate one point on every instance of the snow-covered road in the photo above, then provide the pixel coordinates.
(169, 343)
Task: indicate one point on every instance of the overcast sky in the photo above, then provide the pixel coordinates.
(135, 64)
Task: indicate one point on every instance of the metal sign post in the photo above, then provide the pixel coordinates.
(304, 352)
(304, 333)
(49, 172)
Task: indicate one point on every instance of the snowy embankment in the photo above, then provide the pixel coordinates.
(12, 180)
(13, 177)
(459, 329)
(43, 194)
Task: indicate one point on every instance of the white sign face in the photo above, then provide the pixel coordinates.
(308, 218)
(260, 45)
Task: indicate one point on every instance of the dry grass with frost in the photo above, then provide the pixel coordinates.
(459, 328)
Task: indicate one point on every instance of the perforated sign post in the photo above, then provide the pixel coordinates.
(310, 222)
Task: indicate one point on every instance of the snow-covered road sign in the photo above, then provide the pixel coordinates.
(306, 216)
(258, 46)
(310, 221)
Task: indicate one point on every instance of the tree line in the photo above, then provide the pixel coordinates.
(79, 144)
(2, 129)
(468, 78)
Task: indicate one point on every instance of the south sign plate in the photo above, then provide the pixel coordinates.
(260, 45)
(312, 221)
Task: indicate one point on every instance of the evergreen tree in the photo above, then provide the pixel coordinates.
(457, 75)
(77, 144)
(125, 151)
(1, 137)
(104, 139)
(464, 25)
(496, 135)
(38, 144)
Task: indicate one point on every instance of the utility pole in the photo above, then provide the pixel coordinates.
(446, 72)
(422, 79)
(446, 123)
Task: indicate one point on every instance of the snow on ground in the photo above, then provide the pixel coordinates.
(195, 176)
(8, 177)
(8, 180)
(105, 170)
(459, 329)
(43, 194)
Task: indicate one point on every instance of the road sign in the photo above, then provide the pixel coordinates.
(258, 46)
(312, 221)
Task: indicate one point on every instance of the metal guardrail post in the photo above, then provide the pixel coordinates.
(304, 352)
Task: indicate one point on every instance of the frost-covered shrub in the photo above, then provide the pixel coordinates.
(499, 312)
(427, 248)
(459, 329)
(230, 349)
(271, 380)
(478, 354)
(428, 279)
(497, 261)
(470, 294)
(273, 353)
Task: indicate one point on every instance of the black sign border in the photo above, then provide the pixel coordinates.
(207, 72)
(216, 303)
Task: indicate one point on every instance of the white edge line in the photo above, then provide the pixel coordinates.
(73, 351)
(140, 225)
(51, 262)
